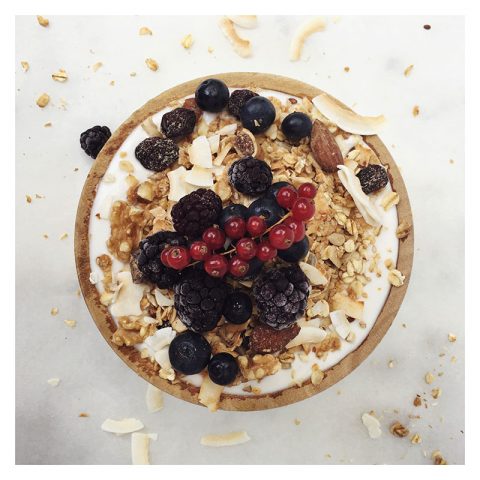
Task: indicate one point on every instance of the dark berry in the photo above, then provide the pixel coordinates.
(238, 99)
(222, 368)
(255, 267)
(372, 178)
(250, 176)
(273, 190)
(178, 123)
(256, 226)
(286, 196)
(214, 238)
(216, 266)
(246, 248)
(93, 140)
(235, 228)
(196, 211)
(238, 309)
(189, 353)
(296, 126)
(268, 209)
(238, 267)
(307, 190)
(281, 237)
(265, 251)
(303, 209)
(212, 95)
(257, 114)
(233, 210)
(296, 252)
(156, 153)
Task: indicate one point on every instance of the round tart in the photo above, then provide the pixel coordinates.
(249, 256)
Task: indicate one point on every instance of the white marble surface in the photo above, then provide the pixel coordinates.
(93, 378)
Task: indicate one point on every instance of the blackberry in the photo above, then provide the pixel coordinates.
(157, 153)
(195, 212)
(372, 178)
(93, 140)
(281, 294)
(199, 300)
(250, 176)
(238, 99)
(178, 123)
(147, 259)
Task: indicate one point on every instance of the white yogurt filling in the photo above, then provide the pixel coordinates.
(113, 187)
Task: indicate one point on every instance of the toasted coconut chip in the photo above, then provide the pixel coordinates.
(160, 339)
(222, 154)
(210, 394)
(140, 447)
(178, 186)
(307, 335)
(120, 427)
(367, 208)
(154, 398)
(162, 357)
(200, 153)
(311, 26)
(161, 299)
(240, 45)
(227, 129)
(199, 176)
(150, 128)
(225, 440)
(346, 119)
(214, 142)
(244, 21)
(313, 274)
(340, 323)
(352, 308)
(372, 424)
(129, 295)
(346, 144)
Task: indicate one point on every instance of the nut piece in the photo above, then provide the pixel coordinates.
(438, 459)
(389, 200)
(452, 337)
(152, 64)
(145, 31)
(416, 439)
(399, 430)
(43, 21)
(43, 99)
(245, 144)
(396, 278)
(265, 339)
(324, 148)
(317, 375)
(417, 401)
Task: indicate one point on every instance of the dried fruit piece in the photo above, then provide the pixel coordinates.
(245, 144)
(324, 148)
(238, 99)
(265, 339)
(178, 123)
(372, 178)
(93, 140)
(156, 153)
(191, 104)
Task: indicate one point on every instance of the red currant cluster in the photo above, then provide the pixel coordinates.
(262, 243)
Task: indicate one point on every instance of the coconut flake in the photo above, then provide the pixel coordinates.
(340, 323)
(308, 28)
(214, 142)
(94, 278)
(321, 308)
(209, 394)
(225, 440)
(199, 152)
(345, 118)
(346, 144)
(227, 129)
(162, 357)
(120, 427)
(314, 275)
(150, 128)
(160, 339)
(199, 176)
(154, 398)
(178, 186)
(53, 382)
(128, 298)
(240, 45)
(352, 308)
(307, 335)
(366, 207)
(372, 424)
(140, 447)
(244, 21)
(161, 299)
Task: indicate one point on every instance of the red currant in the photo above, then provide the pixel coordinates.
(265, 251)
(214, 237)
(298, 228)
(238, 267)
(307, 190)
(246, 248)
(303, 209)
(199, 250)
(286, 196)
(178, 257)
(216, 266)
(164, 256)
(256, 226)
(235, 227)
(281, 237)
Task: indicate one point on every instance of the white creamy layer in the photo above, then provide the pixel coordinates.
(113, 187)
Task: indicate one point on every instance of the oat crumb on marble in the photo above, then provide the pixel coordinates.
(63, 236)
(70, 323)
(60, 76)
(391, 364)
(151, 64)
(415, 110)
(43, 100)
(417, 401)
(436, 393)
(145, 31)
(429, 378)
(44, 22)
(54, 311)
(452, 337)
(408, 70)
(96, 66)
(372, 424)
(47, 125)
(83, 415)
(297, 421)
(187, 41)
(53, 382)
(416, 439)
(399, 430)
(45, 235)
(28, 198)
(25, 65)
(438, 459)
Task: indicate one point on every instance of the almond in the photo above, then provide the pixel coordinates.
(265, 339)
(324, 148)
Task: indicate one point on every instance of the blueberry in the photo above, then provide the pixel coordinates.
(275, 187)
(296, 252)
(212, 95)
(296, 126)
(257, 114)
(238, 308)
(189, 353)
(222, 369)
(233, 210)
(267, 208)
(255, 266)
